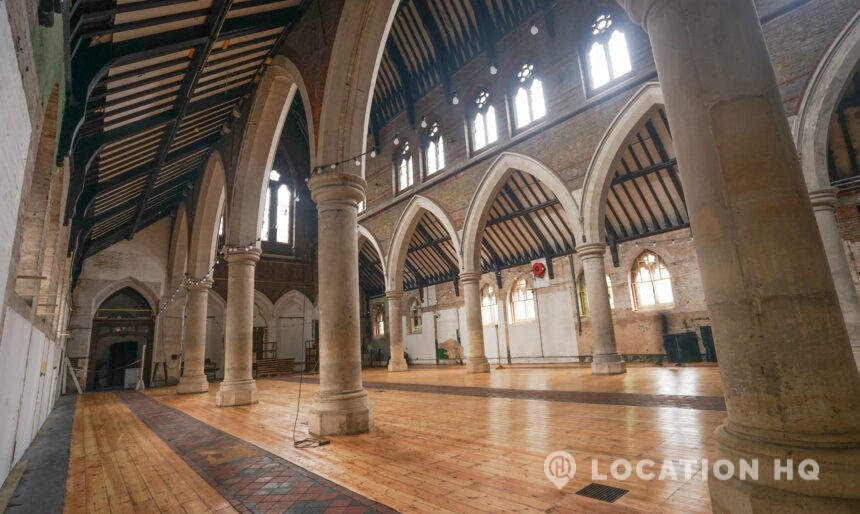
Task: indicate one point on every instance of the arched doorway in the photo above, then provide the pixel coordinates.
(122, 328)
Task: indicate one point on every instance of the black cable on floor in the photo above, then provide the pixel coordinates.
(308, 442)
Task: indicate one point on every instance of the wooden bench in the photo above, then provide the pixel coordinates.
(266, 367)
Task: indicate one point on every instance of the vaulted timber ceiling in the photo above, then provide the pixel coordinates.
(526, 222)
(645, 197)
(431, 39)
(153, 84)
(371, 278)
(430, 256)
(844, 138)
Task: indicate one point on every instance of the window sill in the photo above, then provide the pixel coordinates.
(655, 308)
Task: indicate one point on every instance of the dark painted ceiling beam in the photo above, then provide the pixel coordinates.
(528, 219)
(486, 29)
(443, 57)
(644, 171)
(215, 23)
(428, 244)
(442, 255)
(407, 82)
(519, 214)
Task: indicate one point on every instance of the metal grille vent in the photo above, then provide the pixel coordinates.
(602, 492)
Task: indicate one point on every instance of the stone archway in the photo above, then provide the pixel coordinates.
(598, 177)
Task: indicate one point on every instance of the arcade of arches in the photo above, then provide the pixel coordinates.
(253, 249)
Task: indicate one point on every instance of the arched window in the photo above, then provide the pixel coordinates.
(415, 322)
(529, 103)
(484, 130)
(652, 285)
(405, 177)
(582, 292)
(489, 309)
(434, 149)
(379, 321)
(278, 206)
(522, 302)
(607, 55)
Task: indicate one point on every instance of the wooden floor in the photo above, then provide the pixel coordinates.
(118, 465)
(427, 452)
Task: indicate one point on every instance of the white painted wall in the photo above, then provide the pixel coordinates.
(294, 315)
(15, 132)
(141, 263)
(26, 395)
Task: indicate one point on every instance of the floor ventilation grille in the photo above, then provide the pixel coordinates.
(602, 492)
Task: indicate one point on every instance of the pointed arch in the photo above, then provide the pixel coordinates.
(272, 102)
(264, 307)
(362, 31)
(598, 177)
(218, 300)
(812, 124)
(132, 283)
(488, 189)
(178, 257)
(399, 245)
(294, 297)
(207, 218)
(365, 234)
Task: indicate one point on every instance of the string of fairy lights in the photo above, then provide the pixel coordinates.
(205, 279)
(355, 159)
(228, 249)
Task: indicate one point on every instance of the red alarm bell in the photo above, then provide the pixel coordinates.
(538, 269)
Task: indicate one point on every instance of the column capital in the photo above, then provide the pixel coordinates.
(394, 295)
(470, 276)
(638, 10)
(240, 254)
(823, 199)
(591, 250)
(336, 187)
(203, 284)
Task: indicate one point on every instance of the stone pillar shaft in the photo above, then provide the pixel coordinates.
(787, 371)
(470, 281)
(395, 332)
(193, 377)
(606, 360)
(239, 387)
(341, 405)
(824, 204)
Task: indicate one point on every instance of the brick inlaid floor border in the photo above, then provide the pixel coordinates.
(250, 478)
(714, 403)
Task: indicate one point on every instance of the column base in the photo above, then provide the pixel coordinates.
(477, 365)
(832, 488)
(192, 385)
(340, 414)
(734, 496)
(235, 393)
(609, 364)
(398, 365)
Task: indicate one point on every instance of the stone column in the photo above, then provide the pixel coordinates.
(823, 204)
(193, 377)
(606, 360)
(395, 331)
(787, 371)
(239, 386)
(477, 362)
(341, 405)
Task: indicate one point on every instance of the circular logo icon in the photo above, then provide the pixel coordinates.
(559, 467)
